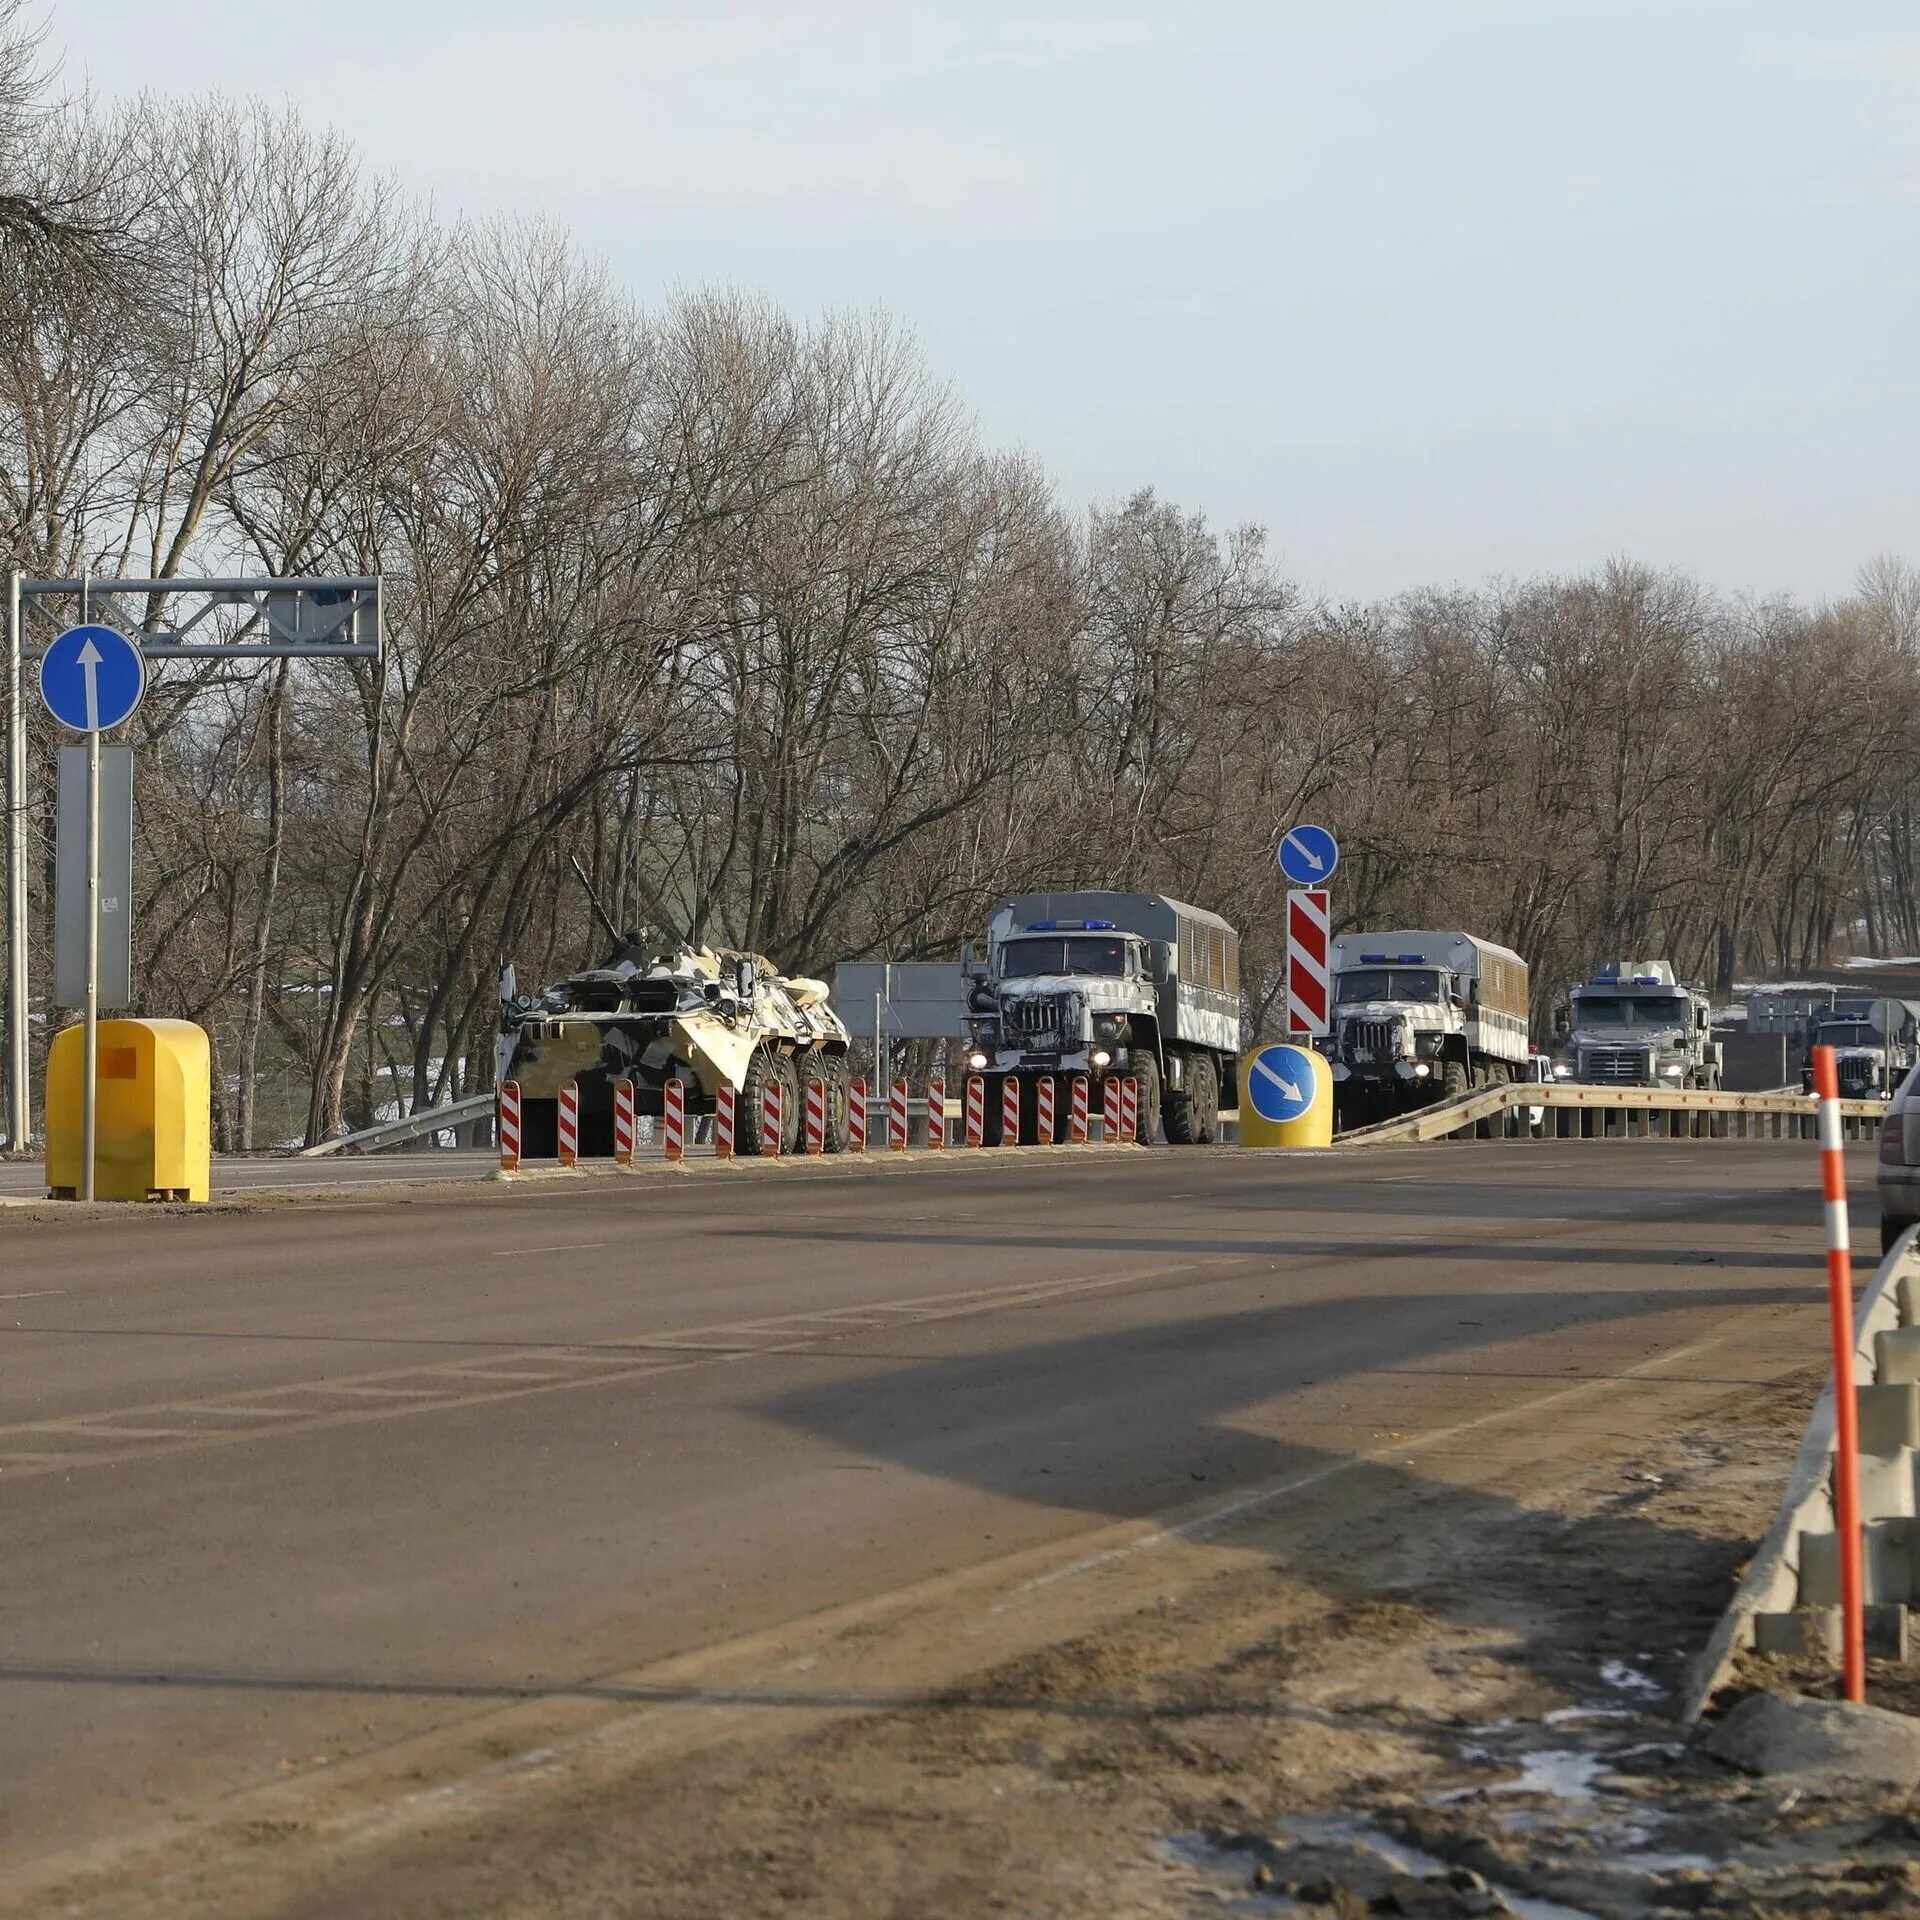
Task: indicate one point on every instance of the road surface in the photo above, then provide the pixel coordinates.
(295, 1495)
(26, 1179)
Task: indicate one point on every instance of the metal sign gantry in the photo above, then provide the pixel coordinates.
(307, 617)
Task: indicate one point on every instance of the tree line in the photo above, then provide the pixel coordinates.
(735, 608)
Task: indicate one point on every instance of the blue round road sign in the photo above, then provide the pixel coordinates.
(91, 678)
(1308, 856)
(1280, 1083)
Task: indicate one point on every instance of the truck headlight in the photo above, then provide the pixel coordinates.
(976, 1059)
(1672, 1072)
(1110, 1028)
(1562, 1071)
(1101, 1057)
(1421, 1071)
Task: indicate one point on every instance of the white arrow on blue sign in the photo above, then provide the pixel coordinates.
(1280, 1083)
(1308, 856)
(92, 678)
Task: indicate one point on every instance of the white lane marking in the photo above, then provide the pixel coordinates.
(569, 1246)
(41, 1293)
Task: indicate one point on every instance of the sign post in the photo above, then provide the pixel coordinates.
(91, 678)
(1308, 856)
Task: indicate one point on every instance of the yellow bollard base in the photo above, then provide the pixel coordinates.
(153, 1113)
(1286, 1080)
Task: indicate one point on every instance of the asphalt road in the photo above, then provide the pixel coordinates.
(26, 1179)
(283, 1488)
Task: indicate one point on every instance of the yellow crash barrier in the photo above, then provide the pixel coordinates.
(1286, 1098)
(153, 1118)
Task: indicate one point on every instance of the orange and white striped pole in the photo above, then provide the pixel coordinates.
(1846, 1488)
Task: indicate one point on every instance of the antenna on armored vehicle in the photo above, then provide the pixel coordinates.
(620, 940)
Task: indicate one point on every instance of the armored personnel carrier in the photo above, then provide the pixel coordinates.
(704, 1017)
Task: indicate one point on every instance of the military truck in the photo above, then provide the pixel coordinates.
(1875, 1043)
(1110, 984)
(1419, 1016)
(703, 1016)
(1635, 1025)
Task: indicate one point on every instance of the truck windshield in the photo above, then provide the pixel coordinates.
(1624, 1010)
(1388, 983)
(1082, 953)
(1847, 1033)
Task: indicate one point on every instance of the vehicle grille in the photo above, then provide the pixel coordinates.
(1616, 1066)
(1857, 1076)
(1380, 1038)
(1048, 1022)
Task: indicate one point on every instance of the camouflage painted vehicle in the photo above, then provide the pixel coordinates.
(708, 1019)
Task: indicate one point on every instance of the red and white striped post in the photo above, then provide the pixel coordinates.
(773, 1120)
(1043, 1110)
(1077, 1127)
(1846, 1477)
(976, 1110)
(508, 1126)
(937, 1112)
(673, 1118)
(857, 1117)
(567, 1124)
(1010, 1111)
(624, 1128)
(1309, 921)
(897, 1117)
(1130, 1109)
(724, 1108)
(816, 1116)
(1110, 1114)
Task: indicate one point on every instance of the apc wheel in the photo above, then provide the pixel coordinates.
(767, 1068)
(1147, 1071)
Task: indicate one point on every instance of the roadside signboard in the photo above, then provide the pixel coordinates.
(92, 678)
(1280, 1083)
(1308, 921)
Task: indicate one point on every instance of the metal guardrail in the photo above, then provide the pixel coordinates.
(1616, 1113)
(393, 1133)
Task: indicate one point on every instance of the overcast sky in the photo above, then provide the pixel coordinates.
(1432, 289)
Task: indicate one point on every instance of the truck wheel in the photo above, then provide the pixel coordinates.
(1454, 1083)
(1193, 1115)
(1147, 1071)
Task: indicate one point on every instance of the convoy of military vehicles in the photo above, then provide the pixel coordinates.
(1140, 987)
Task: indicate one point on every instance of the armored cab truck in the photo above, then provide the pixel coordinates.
(1875, 1043)
(1111, 984)
(1419, 1016)
(1635, 1025)
(703, 1017)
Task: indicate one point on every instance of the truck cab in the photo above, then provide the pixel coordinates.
(1634, 1024)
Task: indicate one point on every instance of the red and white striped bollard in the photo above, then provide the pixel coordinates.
(1043, 1110)
(857, 1117)
(937, 1111)
(725, 1104)
(624, 1127)
(567, 1124)
(673, 1118)
(509, 1125)
(1130, 1109)
(1110, 1114)
(897, 1117)
(976, 1110)
(1010, 1111)
(773, 1120)
(1077, 1112)
(816, 1116)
